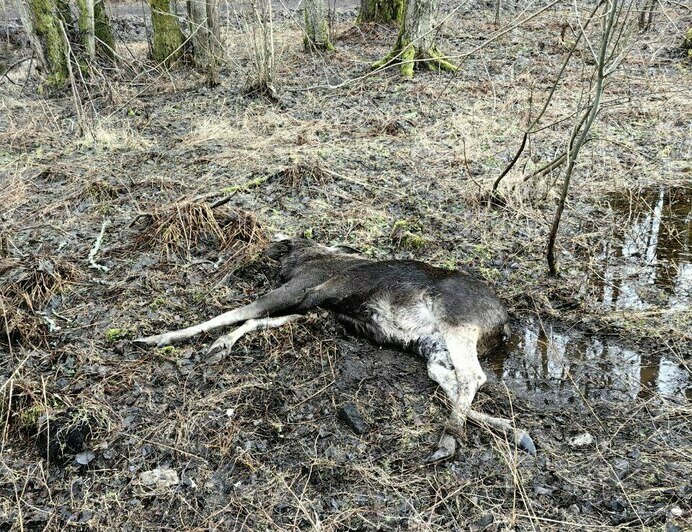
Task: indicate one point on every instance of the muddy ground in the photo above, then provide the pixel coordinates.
(108, 232)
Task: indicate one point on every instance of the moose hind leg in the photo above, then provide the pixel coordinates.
(441, 370)
(462, 368)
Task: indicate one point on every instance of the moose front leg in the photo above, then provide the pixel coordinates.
(287, 298)
(225, 343)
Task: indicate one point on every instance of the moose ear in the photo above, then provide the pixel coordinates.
(279, 247)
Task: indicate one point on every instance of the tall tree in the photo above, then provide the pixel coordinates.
(382, 11)
(95, 29)
(167, 41)
(416, 42)
(317, 25)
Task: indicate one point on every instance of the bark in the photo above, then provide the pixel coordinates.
(42, 21)
(205, 33)
(85, 22)
(317, 25)
(105, 44)
(415, 43)
(167, 45)
(381, 11)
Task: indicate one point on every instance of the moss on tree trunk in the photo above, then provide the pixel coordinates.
(167, 45)
(46, 25)
(381, 11)
(687, 43)
(415, 45)
(105, 44)
(85, 22)
(317, 26)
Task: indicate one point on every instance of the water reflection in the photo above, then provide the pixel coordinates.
(650, 252)
(554, 365)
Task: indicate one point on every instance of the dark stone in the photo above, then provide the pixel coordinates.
(350, 415)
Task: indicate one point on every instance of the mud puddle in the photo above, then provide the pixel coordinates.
(549, 364)
(647, 263)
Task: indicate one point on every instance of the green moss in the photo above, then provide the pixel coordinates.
(105, 44)
(29, 417)
(113, 335)
(407, 235)
(167, 45)
(158, 303)
(168, 352)
(317, 37)
(45, 14)
(412, 241)
(408, 55)
(381, 11)
(242, 187)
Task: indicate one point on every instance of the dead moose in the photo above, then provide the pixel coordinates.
(445, 316)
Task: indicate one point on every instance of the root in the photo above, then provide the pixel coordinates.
(409, 56)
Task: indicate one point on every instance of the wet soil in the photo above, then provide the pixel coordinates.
(307, 428)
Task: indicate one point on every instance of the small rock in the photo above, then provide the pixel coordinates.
(621, 466)
(85, 457)
(163, 477)
(350, 415)
(582, 440)
(676, 511)
(483, 523)
(574, 509)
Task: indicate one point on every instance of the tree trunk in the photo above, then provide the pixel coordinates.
(167, 45)
(317, 25)
(415, 44)
(381, 11)
(85, 22)
(43, 20)
(105, 44)
(205, 34)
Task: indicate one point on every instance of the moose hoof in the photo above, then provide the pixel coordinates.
(221, 347)
(526, 444)
(445, 449)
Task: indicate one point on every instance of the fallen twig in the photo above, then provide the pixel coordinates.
(95, 249)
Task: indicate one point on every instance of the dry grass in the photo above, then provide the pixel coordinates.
(28, 284)
(380, 164)
(187, 226)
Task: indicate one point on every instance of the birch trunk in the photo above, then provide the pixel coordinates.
(317, 25)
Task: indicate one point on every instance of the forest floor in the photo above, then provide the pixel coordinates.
(108, 233)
